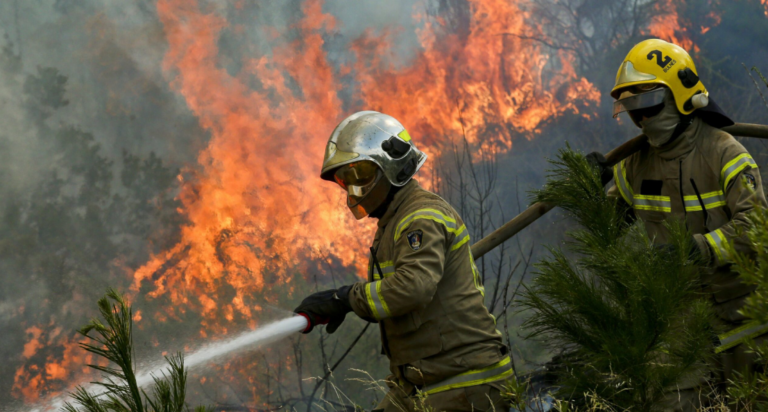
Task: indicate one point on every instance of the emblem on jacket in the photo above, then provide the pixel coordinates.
(414, 239)
(750, 181)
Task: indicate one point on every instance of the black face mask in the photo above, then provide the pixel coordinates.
(648, 112)
(379, 212)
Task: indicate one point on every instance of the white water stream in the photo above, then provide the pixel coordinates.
(250, 340)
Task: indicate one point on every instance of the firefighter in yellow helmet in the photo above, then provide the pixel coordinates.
(422, 286)
(692, 171)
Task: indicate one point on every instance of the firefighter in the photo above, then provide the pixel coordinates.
(691, 171)
(423, 288)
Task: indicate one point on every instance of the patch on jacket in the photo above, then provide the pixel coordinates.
(750, 181)
(414, 239)
(651, 187)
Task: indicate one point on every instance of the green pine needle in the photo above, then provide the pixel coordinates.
(627, 312)
(114, 342)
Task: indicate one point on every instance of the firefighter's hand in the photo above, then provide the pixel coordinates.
(694, 254)
(329, 306)
(597, 160)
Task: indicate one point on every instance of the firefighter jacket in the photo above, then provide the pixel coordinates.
(709, 180)
(426, 294)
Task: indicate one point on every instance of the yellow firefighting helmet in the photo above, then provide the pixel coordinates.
(653, 63)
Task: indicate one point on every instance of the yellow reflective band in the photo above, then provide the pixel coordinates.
(429, 214)
(378, 306)
(404, 135)
(461, 238)
(655, 203)
(740, 335)
(734, 167)
(387, 269)
(620, 176)
(476, 275)
(711, 200)
(369, 297)
(716, 240)
(654, 208)
(495, 372)
(387, 313)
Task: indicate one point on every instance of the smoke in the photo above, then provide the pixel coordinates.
(117, 100)
(89, 188)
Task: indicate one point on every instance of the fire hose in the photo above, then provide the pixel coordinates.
(539, 209)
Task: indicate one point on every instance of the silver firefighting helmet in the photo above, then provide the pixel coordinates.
(367, 154)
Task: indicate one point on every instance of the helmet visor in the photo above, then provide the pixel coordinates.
(640, 101)
(357, 179)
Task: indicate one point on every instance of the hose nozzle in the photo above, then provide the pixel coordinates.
(312, 321)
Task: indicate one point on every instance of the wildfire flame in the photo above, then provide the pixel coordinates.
(31, 381)
(257, 211)
(258, 207)
(668, 25)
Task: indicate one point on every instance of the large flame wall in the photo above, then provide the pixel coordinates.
(258, 205)
(257, 212)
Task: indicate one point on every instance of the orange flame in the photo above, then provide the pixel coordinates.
(490, 85)
(670, 26)
(250, 210)
(50, 375)
(666, 25)
(257, 211)
(258, 207)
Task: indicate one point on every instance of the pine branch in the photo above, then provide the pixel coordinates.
(626, 311)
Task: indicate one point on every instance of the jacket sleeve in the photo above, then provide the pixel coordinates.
(421, 242)
(738, 176)
(621, 188)
(613, 192)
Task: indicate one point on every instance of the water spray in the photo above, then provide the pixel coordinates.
(250, 340)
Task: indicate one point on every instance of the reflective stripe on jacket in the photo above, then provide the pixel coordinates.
(428, 297)
(702, 177)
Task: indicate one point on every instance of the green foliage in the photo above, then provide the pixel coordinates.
(626, 310)
(515, 392)
(753, 269)
(114, 342)
(748, 391)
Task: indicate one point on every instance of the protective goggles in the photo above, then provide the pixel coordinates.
(644, 104)
(358, 179)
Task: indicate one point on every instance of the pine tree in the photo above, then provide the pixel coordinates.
(121, 392)
(749, 391)
(624, 310)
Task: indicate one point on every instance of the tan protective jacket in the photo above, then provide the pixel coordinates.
(428, 300)
(703, 169)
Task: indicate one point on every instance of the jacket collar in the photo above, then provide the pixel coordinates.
(683, 144)
(400, 196)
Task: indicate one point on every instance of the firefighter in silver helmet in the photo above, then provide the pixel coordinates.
(422, 287)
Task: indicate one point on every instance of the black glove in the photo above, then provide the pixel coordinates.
(597, 160)
(328, 306)
(694, 253)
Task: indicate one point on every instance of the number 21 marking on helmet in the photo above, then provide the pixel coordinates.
(662, 63)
